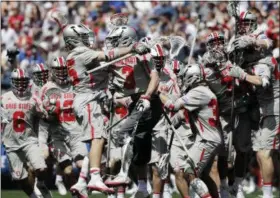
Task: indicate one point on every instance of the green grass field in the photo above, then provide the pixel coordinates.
(20, 194)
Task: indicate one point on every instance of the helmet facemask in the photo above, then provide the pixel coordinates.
(41, 78)
(60, 75)
(21, 86)
(247, 26)
(216, 48)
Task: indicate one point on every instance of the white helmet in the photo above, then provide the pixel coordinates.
(158, 56)
(20, 82)
(59, 70)
(247, 23)
(40, 74)
(193, 75)
(77, 35)
(121, 36)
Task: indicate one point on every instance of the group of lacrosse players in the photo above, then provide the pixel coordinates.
(144, 112)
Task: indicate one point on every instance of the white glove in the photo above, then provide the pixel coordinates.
(243, 42)
(237, 72)
(140, 48)
(143, 103)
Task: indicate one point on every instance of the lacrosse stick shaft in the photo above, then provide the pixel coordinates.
(175, 132)
(193, 42)
(109, 63)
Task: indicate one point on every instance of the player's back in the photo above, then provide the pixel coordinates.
(202, 104)
(21, 113)
(81, 59)
(132, 75)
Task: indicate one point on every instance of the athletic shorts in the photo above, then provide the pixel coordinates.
(268, 135)
(68, 148)
(18, 160)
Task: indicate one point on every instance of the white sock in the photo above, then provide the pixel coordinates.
(267, 190)
(84, 170)
(156, 195)
(58, 178)
(121, 192)
(95, 172)
(142, 185)
(166, 187)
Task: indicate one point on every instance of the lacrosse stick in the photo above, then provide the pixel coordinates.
(176, 44)
(118, 19)
(233, 9)
(193, 42)
(60, 18)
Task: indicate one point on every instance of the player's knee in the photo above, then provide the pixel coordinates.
(263, 154)
(179, 174)
(155, 171)
(79, 160)
(66, 166)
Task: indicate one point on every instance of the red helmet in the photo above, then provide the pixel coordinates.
(40, 74)
(59, 70)
(20, 82)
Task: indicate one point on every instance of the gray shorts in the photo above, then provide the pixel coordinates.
(18, 160)
(159, 145)
(268, 135)
(68, 148)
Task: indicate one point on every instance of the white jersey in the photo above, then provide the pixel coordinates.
(132, 75)
(202, 106)
(65, 120)
(268, 96)
(35, 89)
(21, 114)
(78, 62)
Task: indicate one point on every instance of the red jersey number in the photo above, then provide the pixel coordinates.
(18, 122)
(67, 114)
(129, 73)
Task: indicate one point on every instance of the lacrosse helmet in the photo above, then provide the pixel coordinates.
(121, 36)
(77, 35)
(158, 56)
(216, 46)
(193, 74)
(247, 23)
(20, 82)
(59, 70)
(40, 74)
(177, 67)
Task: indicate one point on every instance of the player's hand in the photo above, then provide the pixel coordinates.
(140, 48)
(143, 103)
(243, 42)
(49, 105)
(237, 72)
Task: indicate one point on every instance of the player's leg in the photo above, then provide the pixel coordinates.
(267, 139)
(34, 155)
(59, 181)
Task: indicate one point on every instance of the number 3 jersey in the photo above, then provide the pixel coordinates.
(21, 114)
(64, 120)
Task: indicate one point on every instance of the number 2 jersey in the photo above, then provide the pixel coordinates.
(21, 113)
(64, 121)
(132, 75)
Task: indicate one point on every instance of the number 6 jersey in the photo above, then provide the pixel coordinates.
(21, 114)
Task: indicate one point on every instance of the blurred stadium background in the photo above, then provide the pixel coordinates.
(28, 26)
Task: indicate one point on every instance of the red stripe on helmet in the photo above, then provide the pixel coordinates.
(21, 73)
(41, 66)
(242, 15)
(60, 60)
(176, 65)
(159, 50)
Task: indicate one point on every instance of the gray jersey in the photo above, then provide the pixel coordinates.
(131, 75)
(203, 107)
(65, 120)
(21, 113)
(268, 94)
(79, 61)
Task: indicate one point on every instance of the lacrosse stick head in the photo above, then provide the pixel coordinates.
(59, 18)
(233, 8)
(119, 19)
(176, 44)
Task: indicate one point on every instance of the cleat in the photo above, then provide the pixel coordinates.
(80, 190)
(119, 180)
(60, 187)
(98, 185)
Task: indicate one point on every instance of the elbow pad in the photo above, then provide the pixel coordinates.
(111, 54)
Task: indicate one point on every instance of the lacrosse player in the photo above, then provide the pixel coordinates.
(90, 91)
(138, 78)
(217, 67)
(57, 96)
(258, 68)
(19, 135)
(200, 107)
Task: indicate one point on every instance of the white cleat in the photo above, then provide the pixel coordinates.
(119, 180)
(60, 187)
(36, 190)
(96, 184)
(80, 190)
(44, 190)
